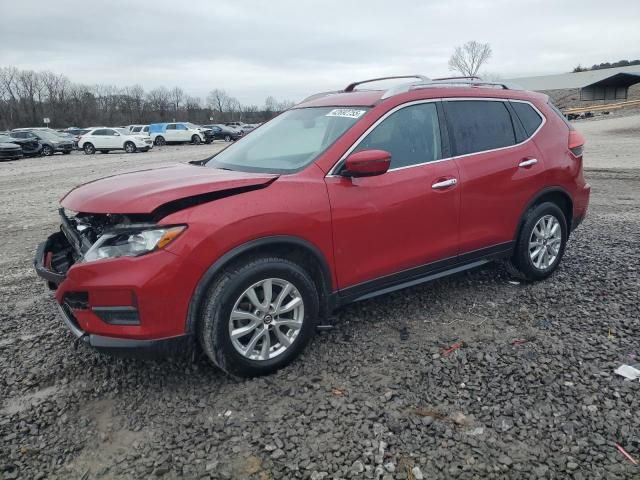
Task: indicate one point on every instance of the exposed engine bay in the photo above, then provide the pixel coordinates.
(78, 233)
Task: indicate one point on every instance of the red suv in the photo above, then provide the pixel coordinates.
(346, 196)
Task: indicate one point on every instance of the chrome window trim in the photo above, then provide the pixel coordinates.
(431, 100)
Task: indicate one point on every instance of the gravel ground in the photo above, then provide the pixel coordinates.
(529, 393)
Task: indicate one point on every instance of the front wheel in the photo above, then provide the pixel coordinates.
(195, 140)
(160, 141)
(89, 149)
(47, 151)
(227, 138)
(129, 147)
(258, 316)
(541, 242)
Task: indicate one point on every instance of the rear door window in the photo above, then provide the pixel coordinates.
(411, 135)
(528, 116)
(479, 125)
(171, 126)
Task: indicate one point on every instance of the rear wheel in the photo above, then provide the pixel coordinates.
(47, 150)
(160, 141)
(129, 147)
(541, 243)
(196, 140)
(258, 316)
(89, 149)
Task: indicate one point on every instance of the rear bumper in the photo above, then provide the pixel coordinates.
(580, 206)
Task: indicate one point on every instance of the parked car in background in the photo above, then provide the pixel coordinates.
(75, 134)
(10, 150)
(106, 139)
(139, 129)
(179, 132)
(30, 146)
(241, 126)
(224, 132)
(51, 141)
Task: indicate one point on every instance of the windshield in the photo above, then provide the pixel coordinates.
(289, 142)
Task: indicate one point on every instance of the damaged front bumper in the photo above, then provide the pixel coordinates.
(117, 306)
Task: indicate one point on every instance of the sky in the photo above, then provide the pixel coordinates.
(291, 49)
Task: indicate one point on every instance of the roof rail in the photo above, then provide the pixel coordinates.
(447, 82)
(351, 87)
(469, 77)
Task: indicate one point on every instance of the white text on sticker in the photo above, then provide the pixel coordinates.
(345, 112)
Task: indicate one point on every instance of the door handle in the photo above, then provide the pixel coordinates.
(445, 184)
(528, 162)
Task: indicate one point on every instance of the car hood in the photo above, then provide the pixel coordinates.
(146, 191)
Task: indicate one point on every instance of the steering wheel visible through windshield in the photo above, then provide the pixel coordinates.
(289, 142)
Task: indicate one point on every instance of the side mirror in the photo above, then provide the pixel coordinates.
(367, 163)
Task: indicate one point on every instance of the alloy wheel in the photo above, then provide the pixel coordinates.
(266, 319)
(545, 242)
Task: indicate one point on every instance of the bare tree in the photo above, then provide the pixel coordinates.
(28, 96)
(218, 100)
(177, 96)
(468, 58)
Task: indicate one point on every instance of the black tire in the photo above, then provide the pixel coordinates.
(89, 149)
(130, 147)
(213, 326)
(196, 140)
(160, 141)
(47, 150)
(227, 138)
(521, 264)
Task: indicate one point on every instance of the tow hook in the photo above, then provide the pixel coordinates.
(78, 340)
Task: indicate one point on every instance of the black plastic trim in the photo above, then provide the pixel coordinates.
(41, 270)
(423, 273)
(118, 315)
(534, 199)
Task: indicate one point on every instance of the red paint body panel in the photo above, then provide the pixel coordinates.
(495, 192)
(145, 190)
(364, 228)
(392, 222)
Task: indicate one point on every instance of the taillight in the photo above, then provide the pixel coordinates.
(576, 143)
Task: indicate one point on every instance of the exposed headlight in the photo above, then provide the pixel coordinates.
(131, 243)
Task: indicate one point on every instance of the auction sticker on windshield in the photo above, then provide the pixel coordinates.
(345, 112)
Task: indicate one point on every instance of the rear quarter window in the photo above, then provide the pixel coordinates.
(528, 116)
(479, 125)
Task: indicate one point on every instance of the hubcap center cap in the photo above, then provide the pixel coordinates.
(267, 319)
